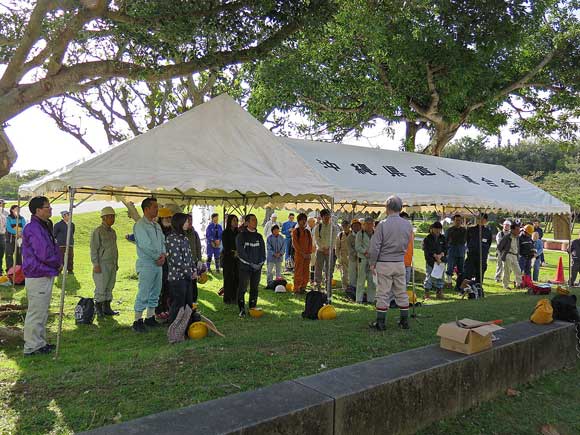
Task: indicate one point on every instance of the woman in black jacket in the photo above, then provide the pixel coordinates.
(230, 261)
(435, 250)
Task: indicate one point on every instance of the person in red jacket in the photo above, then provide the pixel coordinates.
(42, 262)
(302, 244)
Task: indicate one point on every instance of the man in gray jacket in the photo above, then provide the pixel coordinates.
(387, 258)
(105, 260)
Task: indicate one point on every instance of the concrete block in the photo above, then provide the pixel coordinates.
(284, 408)
(404, 392)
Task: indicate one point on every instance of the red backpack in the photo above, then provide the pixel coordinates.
(16, 275)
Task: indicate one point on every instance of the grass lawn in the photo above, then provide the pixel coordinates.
(106, 373)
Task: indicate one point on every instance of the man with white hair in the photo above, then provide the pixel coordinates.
(268, 226)
(500, 235)
(387, 259)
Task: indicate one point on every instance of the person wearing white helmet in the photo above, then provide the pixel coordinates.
(500, 235)
(105, 259)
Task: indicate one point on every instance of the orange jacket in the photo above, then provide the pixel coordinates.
(302, 245)
(409, 251)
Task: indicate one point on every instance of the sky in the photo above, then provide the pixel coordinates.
(41, 145)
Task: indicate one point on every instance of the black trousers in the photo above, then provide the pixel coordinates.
(10, 249)
(231, 270)
(194, 290)
(181, 295)
(251, 277)
(574, 271)
(165, 294)
(471, 268)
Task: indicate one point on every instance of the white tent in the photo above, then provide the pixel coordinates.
(218, 153)
(213, 153)
(369, 175)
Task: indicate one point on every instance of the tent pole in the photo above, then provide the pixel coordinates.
(65, 268)
(330, 254)
(479, 225)
(572, 223)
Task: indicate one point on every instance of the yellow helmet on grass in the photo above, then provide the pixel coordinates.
(197, 330)
(256, 313)
(327, 312)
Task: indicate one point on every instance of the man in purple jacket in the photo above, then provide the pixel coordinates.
(41, 264)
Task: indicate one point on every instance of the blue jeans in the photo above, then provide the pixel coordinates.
(288, 242)
(431, 282)
(537, 265)
(150, 280)
(455, 257)
(525, 265)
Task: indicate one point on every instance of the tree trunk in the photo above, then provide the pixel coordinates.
(8, 154)
(412, 128)
(443, 134)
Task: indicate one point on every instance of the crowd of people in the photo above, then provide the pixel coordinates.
(375, 259)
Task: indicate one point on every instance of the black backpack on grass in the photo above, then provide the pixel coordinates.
(314, 301)
(85, 311)
(565, 308)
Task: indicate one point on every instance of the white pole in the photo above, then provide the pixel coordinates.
(71, 193)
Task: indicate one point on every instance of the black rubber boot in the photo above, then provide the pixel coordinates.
(139, 326)
(404, 321)
(107, 310)
(99, 309)
(379, 324)
(151, 322)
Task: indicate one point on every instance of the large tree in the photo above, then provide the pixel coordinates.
(52, 47)
(439, 65)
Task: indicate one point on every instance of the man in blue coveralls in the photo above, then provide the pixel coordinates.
(151, 255)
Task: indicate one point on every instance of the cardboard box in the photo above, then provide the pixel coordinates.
(475, 337)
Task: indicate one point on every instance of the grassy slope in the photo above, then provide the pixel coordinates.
(106, 373)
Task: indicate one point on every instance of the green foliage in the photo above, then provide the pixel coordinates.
(446, 64)
(524, 158)
(552, 165)
(423, 227)
(10, 183)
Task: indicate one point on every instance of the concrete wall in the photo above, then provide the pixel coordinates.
(397, 394)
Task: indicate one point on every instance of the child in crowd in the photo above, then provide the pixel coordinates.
(276, 245)
(213, 237)
(539, 247)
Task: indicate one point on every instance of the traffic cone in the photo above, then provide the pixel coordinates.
(559, 274)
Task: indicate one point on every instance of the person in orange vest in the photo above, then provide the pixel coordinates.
(302, 244)
(408, 253)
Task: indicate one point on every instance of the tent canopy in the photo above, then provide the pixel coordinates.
(218, 153)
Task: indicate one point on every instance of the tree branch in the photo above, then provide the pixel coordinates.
(57, 114)
(13, 72)
(434, 104)
(20, 97)
(518, 84)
